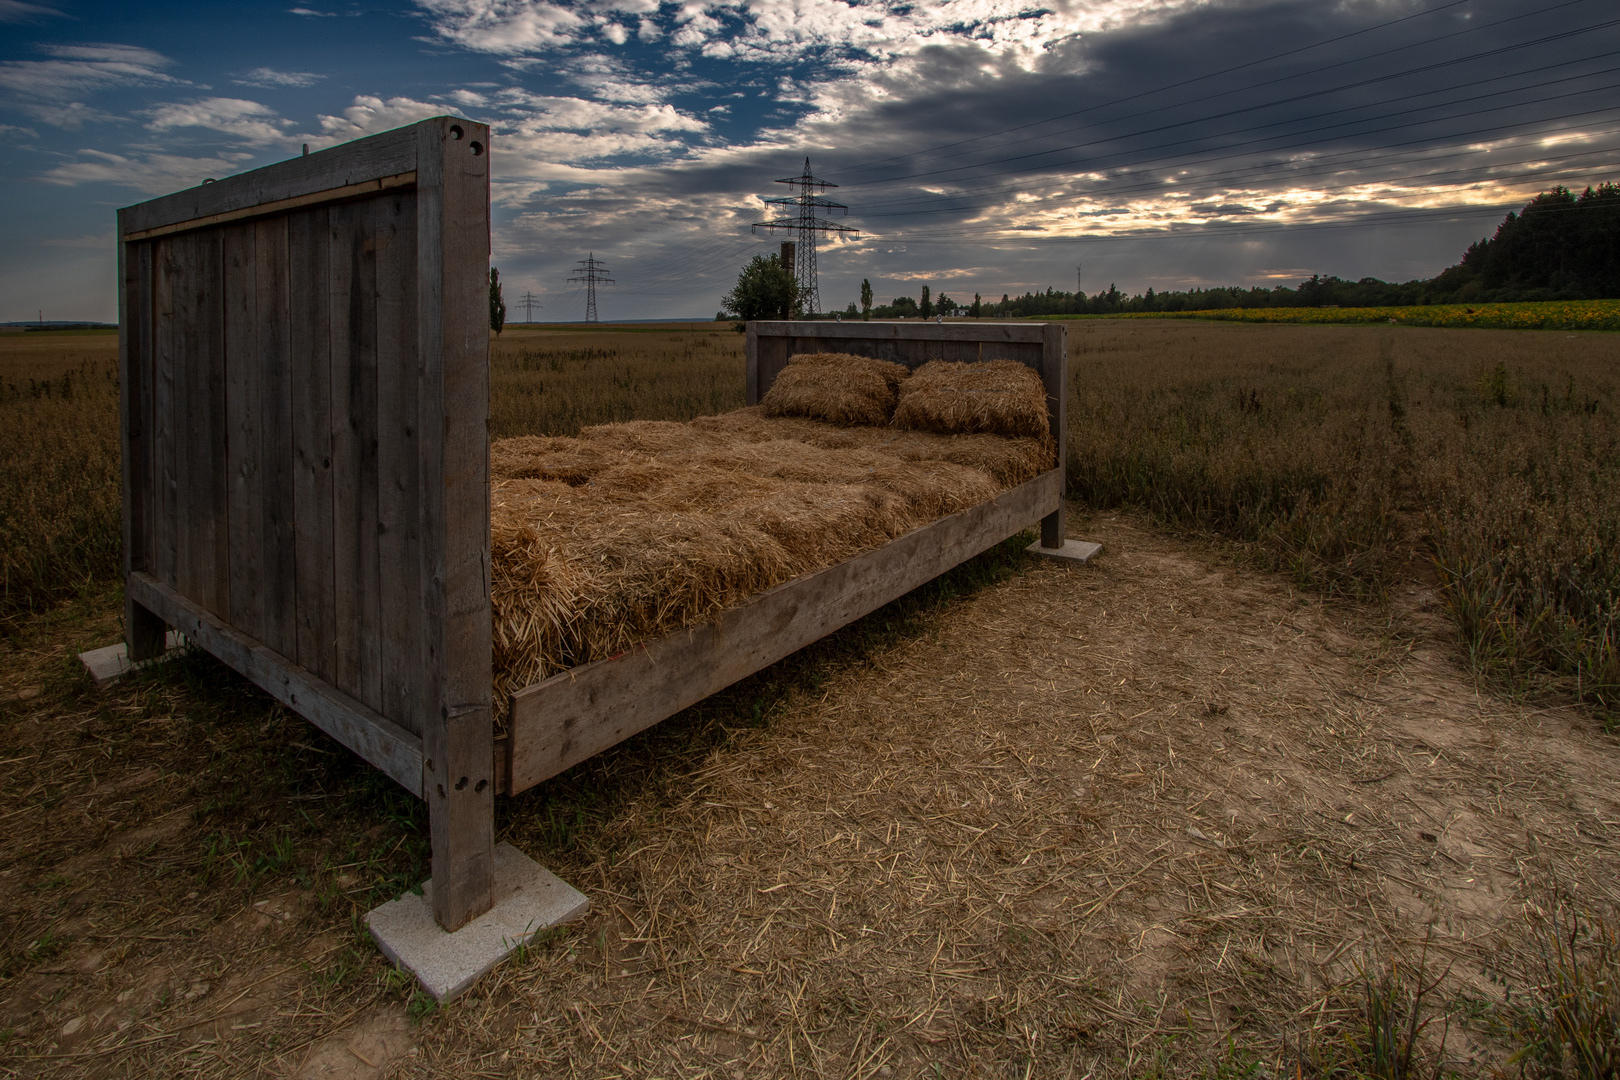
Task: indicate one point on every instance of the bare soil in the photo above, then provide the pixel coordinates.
(1138, 818)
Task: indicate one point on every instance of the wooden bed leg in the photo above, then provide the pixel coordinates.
(460, 788)
(144, 632)
(1052, 529)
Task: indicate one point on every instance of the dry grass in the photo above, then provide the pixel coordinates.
(556, 381)
(1143, 819)
(631, 531)
(1002, 397)
(835, 387)
(58, 470)
(1345, 455)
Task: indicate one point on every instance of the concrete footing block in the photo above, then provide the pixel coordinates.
(1075, 551)
(529, 899)
(109, 664)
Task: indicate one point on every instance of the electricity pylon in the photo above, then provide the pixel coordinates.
(530, 302)
(591, 272)
(807, 199)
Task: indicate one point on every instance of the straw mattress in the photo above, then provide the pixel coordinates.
(631, 531)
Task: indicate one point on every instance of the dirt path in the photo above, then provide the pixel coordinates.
(1133, 817)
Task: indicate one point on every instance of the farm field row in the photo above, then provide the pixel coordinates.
(1543, 315)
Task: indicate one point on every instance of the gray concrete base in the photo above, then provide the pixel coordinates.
(530, 898)
(110, 664)
(1076, 551)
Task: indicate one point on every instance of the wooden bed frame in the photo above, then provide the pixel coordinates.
(304, 358)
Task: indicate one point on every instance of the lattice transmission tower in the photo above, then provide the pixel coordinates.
(591, 273)
(530, 302)
(806, 200)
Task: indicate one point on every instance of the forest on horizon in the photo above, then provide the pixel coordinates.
(1561, 246)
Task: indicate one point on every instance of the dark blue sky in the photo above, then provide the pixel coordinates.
(982, 145)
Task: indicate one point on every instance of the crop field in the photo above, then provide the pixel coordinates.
(1318, 746)
(1537, 315)
(1348, 456)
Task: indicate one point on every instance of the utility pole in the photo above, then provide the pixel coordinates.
(530, 302)
(806, 200)
(1077, 279)
(591, 272)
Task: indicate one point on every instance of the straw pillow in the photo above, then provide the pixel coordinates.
(1002, 397)
(835, 387)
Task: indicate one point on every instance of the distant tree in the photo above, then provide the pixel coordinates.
(926, 308)
(978, 306)
(945, 305)
(765, 289)
(866, 299)
(497, 305)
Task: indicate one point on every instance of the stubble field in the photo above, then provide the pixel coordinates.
(1334, 695)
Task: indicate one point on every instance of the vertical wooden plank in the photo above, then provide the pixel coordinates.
(310, 356)
(165, 479)
(453, 331)
(201, 450)
(143, 631)
(398, 468)
(752, 391)
(277, 554)
(245, 496)
(352, 273)
(1055, 372)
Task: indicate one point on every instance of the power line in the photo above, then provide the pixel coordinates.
(530, 302)
(591, 273)
(1269, 82)
(1245, 109)
(1188, 82)
(807, 199)
(911, 199)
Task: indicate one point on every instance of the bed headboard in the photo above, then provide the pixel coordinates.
(303, 355)
(1042, 346)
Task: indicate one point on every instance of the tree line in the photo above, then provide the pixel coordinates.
(1561, 246)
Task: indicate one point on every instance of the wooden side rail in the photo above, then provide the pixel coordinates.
(577, 714)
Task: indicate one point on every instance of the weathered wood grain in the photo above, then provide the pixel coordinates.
(353, 277)
(279, 207)
(374, 737)
(310, 373)
(165, 553)
(1055, 374)
(389, 154)
(204, 539)
(453, 332)
(276, 528)
(143, 631)
(399, 518)
(241, 446)
(577, 714)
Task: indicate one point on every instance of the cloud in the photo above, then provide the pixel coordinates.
(505, 26)
(13, 11)
(310, 13)
(369, 115)
(76, 70)
(615, 33)
(153, 174)
(236, 117)
(270, 78)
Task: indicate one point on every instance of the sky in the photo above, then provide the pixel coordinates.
(981, 146)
